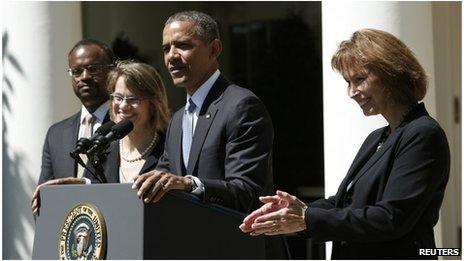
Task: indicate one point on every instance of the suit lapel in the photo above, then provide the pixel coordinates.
(149, 163)
(375, 157)
(205, 119)
(175, 140)
(70, 133)
(359, 161)
(364, 161)
(107, 117)
(112, 164)
(201, 131)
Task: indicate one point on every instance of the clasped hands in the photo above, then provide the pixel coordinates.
(280, 214)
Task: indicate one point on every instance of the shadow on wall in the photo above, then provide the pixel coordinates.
(17, 182)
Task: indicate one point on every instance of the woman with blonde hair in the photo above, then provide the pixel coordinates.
(137, 93)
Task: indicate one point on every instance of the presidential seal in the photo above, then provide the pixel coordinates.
(83, 235)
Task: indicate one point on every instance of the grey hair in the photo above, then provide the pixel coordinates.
(204, 26)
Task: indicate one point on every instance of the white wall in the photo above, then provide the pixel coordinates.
(447, 55)
(37, 92)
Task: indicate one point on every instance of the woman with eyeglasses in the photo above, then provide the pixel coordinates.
(136, 93)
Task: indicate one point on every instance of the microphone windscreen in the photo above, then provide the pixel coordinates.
(105, 128)
(122, 128)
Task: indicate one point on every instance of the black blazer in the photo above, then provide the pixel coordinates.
(60, 140)
(111, 165)
(231, 150)
(393, 204)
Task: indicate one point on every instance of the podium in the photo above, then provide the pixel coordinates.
(180, 226)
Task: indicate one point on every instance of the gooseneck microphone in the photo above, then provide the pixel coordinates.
(95, 147)
(83, 144)
(117, 132)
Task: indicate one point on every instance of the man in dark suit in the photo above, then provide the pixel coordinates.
(219, 145)
(89, 62)
(227, 157)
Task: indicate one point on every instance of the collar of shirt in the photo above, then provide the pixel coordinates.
(99, 113)
(200, 95)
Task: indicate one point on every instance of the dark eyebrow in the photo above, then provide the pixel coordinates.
(180, 40)
(355, 75)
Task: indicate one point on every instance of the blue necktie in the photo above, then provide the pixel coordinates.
(187, 130)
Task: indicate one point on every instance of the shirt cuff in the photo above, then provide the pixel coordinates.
(200, 187)
(87, 181)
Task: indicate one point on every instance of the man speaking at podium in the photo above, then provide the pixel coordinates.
(89, 63)
(219, 145)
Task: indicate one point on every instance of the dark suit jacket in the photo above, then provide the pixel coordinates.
(111, 165)
(231, 151)
(60, 140)
(390, 210)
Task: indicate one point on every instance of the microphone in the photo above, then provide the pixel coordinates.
(83, 144)
(117, 132)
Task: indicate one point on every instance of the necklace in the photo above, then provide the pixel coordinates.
(386, 133)
(143, 154)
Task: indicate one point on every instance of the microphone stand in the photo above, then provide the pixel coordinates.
(96, 159)
(98, 169)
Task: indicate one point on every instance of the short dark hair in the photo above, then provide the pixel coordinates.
(388, 58)
(204, 26)
(106, 49)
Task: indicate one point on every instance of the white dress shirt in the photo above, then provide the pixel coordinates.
(99, 115)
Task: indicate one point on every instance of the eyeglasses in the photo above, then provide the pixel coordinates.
(131, 100)
(92, 69)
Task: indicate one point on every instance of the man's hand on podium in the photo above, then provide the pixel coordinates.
(152, 185)
(35, 202)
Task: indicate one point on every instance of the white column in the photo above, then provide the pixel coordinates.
(447, 48)
(345, 126)
(36, 92)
